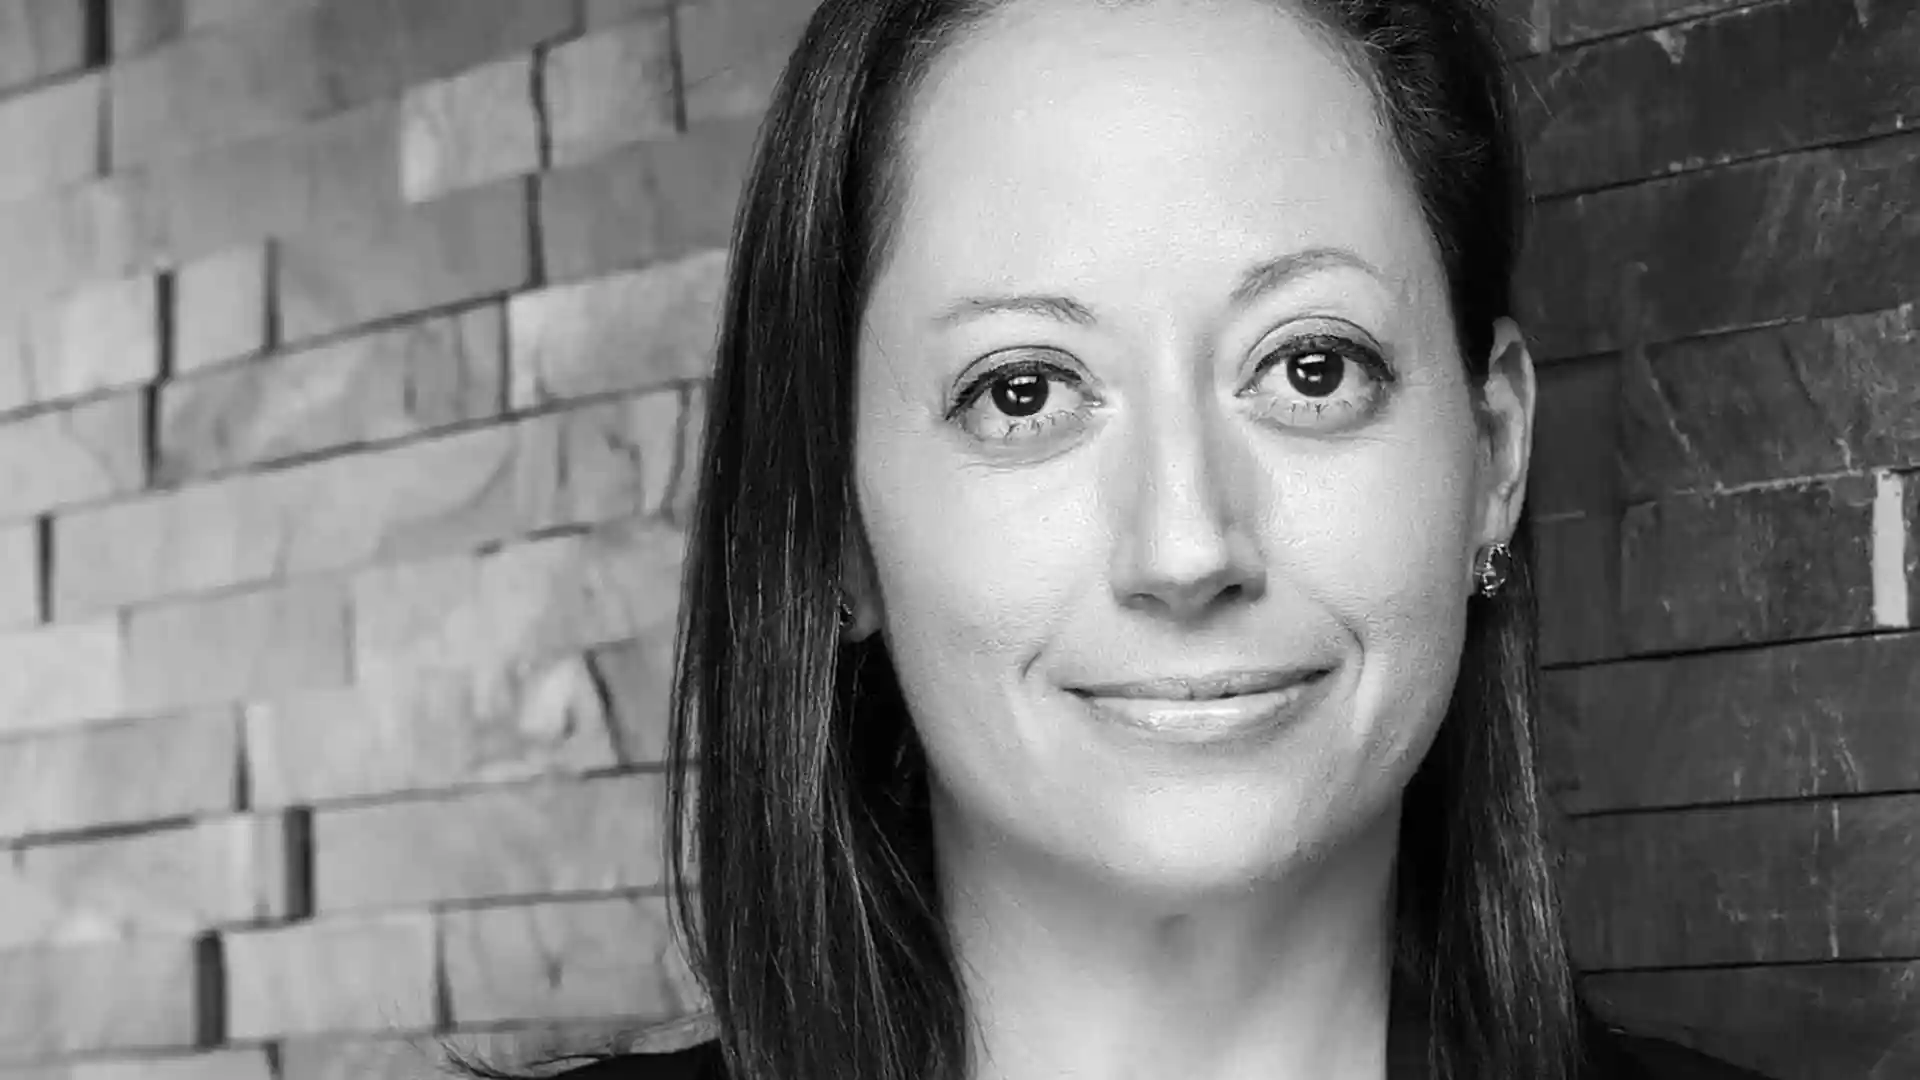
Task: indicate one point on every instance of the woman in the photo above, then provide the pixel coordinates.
(1108, 627)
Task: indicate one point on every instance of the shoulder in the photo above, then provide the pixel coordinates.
(1621, 1055)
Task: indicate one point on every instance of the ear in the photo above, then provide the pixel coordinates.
(1506, 412)
(858, 584)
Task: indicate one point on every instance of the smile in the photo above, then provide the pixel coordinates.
(1223, 684)
(1232, 706)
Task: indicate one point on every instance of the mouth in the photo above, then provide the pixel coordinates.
(1211, 686)
(1230, 708)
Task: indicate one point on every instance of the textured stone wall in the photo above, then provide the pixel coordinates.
(350, 360)
(1725, 259)
(350, 367)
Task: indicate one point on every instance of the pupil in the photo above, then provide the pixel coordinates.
(1315, 376)
(1020, 395)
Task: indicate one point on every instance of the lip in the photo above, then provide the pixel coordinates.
(1202, 687)
(1206, 710)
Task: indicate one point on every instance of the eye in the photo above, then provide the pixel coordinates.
(1022, 400)
(1320, 382)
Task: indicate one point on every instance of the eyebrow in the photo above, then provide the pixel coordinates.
(1058, 308)
(1256, 281)
(1263, 278)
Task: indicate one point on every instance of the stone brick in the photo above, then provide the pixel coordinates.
(543, 1041)
(1907, 539)
(543, 839)
(19, 575)
(1817, 234)
(57, 242)
(1874, 860)
(1773, 883)
(677, 1034)
(560, 960)
(1758, 566)
(638, 330)
(1583, 20)
(253, 76)
(40, 38)
(525, 604)
(331, 975)
(1578, 571)
(527, 1048)
(60, 674)
(78, 454)
(612, 87)
(119, 774)
(1576, 440)
(475, 127)
(105, 336)
(238, 646)
(201, 14)
(175, 881)
(122, 995)
(1800, 1021)
(637, 676)
(428, 730)
(1526, 26)
(472, 669)
(1807, 719)
(1618, 868)
(1770, 78)
(646, 202)
(220, 307)
(249, 1064)
(601, 14)
(431, 497)
(610, 460)
(1804, 399)
(470, 244)
(375, 386)
(139, 25)
(693, 435)
(361, 1058)
(732, 52)
(435, 728)
(62, 125)
(333, 173)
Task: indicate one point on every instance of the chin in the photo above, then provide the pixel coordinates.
(1188, 843)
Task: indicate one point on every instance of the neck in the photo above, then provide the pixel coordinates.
(1068, 974)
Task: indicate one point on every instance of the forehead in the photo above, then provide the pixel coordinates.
(1063, 137)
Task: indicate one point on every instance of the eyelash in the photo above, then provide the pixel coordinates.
(977, 387)
(1364, 357)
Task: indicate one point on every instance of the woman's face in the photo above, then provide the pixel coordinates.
(1159, 398)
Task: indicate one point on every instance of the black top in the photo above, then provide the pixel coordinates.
(1614, 1055)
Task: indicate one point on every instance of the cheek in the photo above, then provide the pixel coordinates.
(969, 566)
(1384, 535)
(1384, 547)
(975, 575)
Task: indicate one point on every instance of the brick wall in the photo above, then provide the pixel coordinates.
(1721, 284)
(350, 351)
(350, 358)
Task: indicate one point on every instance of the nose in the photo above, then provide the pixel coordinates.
(1183, 548)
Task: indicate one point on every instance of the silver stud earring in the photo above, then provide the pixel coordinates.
(846, 613)
(1493, 567)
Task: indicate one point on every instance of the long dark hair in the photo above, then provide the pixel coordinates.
(814, 920)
